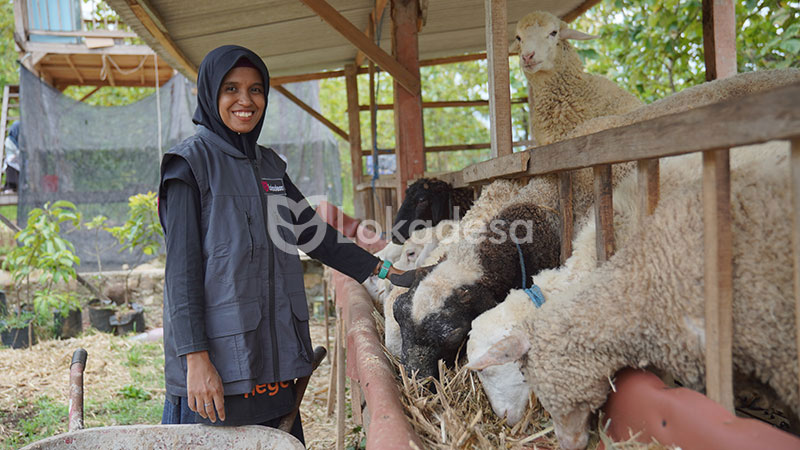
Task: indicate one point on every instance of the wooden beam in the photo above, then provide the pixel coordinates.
(409, 129)
(150, 20)
(305, 107)
(111, 34)
(401, 74)
(648, 176)
(74, 69)
(577, 12)
(718, 280)
(719, 38)
(21, 23)
(499, 92)
(80, 49)
(566, 212)
(794, 160)
(751, 119)
(276, 81)
(90, 93)
(514, 164)
(447, 104)
(603, 213)
(354, 123)
(452, 59)
(4, 120)
(375, 19)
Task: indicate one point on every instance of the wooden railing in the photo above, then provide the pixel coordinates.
(712, 129)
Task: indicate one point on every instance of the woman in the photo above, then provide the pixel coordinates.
(235, 314)
(11, 159)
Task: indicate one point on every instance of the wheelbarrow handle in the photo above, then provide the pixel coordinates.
(76, 368)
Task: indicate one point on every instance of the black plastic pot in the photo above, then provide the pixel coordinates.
(68, 326)
(128, 321)
(18, 337)
(3, 304)
(100, 313)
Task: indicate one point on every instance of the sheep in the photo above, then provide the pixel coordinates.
(564, 95)
(435, 314)
(645, 307)
(703, 94)
(429, 201)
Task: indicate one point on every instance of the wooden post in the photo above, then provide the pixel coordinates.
(340, 379)
(499, 92)
(648, 180)
(351, 83)
(718, 276)
(531, 103)
(603, 212)
(719, 38)
(719, 45)
(795, 186)
(408, 129)
(565, 204)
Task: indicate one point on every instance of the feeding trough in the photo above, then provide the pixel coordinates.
(154, 436)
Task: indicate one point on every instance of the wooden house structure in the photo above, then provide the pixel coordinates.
(313, 39)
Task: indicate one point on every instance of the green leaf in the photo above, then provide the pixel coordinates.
(791, 46)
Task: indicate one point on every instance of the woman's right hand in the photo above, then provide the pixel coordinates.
(204, 387)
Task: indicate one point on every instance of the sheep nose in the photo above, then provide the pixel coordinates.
(528, 57)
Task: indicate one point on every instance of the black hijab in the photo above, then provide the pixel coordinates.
(215, 66)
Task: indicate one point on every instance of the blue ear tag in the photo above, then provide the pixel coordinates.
(536, 295)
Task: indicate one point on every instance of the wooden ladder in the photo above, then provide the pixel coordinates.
(11, 102)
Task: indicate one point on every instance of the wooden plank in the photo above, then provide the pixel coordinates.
(719, 38)
(447, 104)
(499, 93)
(747, 120)
(311, 111)
(276, 81)
(106, 34)
(648, 181)
(354, 124)
(90, 93)
(398, 71)
(795, 186)
(408, 125)
(384, 182)
(3, 121)
(74, 69)
(718, 276)
(144, 12)
(21, 23)
(566, 212)
(478, 146)
(509, 165)
(453, 59)
(603, 213)
(577, 12)
(80, 49)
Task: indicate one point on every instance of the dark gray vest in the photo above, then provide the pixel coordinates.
(256, 313)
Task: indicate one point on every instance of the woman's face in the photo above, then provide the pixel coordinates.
(241, 99)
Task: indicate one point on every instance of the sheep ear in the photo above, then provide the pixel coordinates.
(508, 349)
(514, 47)
(568, 33)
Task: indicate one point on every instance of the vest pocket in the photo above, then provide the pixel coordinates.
(300, 322)
(234, 347)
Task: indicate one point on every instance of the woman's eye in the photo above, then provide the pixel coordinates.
(230, 89)
(554, 33)
(257, 90)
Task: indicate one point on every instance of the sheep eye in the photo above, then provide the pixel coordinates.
(518, 39)
(554, 33)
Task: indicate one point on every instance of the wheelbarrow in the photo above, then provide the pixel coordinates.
(154, 436)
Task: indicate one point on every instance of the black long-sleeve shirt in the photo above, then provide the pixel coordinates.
(185, 270)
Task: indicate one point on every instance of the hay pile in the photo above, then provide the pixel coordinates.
(453, 412)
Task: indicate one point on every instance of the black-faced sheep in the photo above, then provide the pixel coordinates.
(435, 314)
(645, 305)
(429, 201)
(564, 96)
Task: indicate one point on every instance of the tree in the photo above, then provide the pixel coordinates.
(9, 73)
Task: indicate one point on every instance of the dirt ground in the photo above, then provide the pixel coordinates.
(44, 370)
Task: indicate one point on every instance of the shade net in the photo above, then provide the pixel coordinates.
(97, 157)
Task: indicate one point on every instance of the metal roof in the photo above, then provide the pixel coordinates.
(292, 39)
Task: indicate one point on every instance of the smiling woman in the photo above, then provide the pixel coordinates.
(242, 99)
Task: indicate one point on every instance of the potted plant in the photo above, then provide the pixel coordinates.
(60, 312)
(142, 232)
(41, 252)
(101, 308)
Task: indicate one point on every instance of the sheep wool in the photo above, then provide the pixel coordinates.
(644, 306)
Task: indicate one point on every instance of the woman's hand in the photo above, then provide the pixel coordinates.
(204, 387)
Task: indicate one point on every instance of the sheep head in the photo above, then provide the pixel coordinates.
(510, 353)
(426, 204)
(539, 35)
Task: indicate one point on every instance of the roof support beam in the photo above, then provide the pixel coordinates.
(403, 76)
(304, 106)
(152, 22)
(408, 125)
(372, 28)
(577, 12)
(74, 69)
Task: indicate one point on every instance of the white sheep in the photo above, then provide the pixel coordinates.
(645, 307)
(564, 96)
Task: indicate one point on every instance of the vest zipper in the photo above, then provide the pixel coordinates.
(271, 257)
(250, 232)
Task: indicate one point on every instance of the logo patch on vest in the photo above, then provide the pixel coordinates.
(273, 186)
